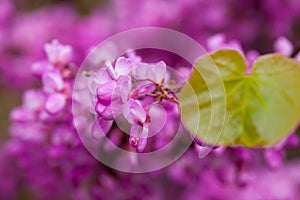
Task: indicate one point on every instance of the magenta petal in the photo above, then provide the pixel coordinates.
(105, 92)
(98, 78)
(138, 137)
(104, 111)
(145, 87)
(273, 157)
(101, 127)
(203, 151)
(123, 66)
(251, 57)
(292, 141)
(143, 139)
(55, 103)
(134, 112)
(109, 112)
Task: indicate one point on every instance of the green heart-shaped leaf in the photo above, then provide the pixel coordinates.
(261, 108)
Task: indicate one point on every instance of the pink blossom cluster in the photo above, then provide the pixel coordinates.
(134, 89)
(46, 151)
(45, 159)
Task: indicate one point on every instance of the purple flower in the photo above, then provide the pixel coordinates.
(106, 91)
(138, 137)
(124, 86)
(131, 89)
(55, 103)
(134, 112)
(123, 67)
(109, 112)
(57, 53)
(155, 72)
(52, 82)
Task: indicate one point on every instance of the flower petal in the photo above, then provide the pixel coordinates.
(109, 112)
(98, 78)
(106, 91)
(34, 100)
(134, 112)
(52, 82)
(124, 86)
(159, 71)
(155, 72)
(138, 137)
(123, 66)
(284, 46)
(55, 103)
(39, 68)
(58, 53)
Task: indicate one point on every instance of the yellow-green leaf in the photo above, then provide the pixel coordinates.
(260, 109)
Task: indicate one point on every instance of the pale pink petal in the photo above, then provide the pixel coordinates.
(155, 72)
(98, 78)
(55, 103)
(39, 68)
(123, 66)
(140, 72)
(34, 100)
(58, 53)
(215, 42)
(110, 69)
(134, 112)
(236, 45)
(159, 71)
(135, 59)
(284, 46)
(124, 86)
(52, 82)
(145, 87)
(218, 41)
(116, 107)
